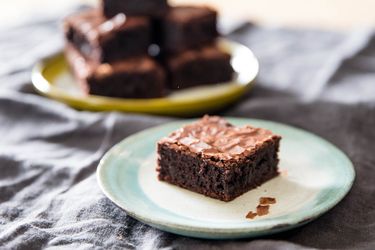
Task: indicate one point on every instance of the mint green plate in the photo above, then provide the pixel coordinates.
(315, 176)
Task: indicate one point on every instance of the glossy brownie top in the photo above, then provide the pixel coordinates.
(93, 25)
(213, 136)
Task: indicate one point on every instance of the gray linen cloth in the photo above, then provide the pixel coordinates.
(323, 82)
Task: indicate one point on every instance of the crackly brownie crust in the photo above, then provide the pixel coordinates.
(154, 8)
(185, 27)
(206, 65)
(104, 40)
(218, 171)
(139, 77)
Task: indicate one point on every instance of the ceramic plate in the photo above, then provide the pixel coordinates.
(52, 78)
(315, 176)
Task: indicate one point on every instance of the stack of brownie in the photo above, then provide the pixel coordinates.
(144, 48)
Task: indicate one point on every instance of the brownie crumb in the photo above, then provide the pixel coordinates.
(262, 210)
(266, 201)
(251, 215)
(263, 207)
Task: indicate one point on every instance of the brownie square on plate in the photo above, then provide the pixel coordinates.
(139, 77)
(217, 159)
(206, 65)
(154, 8)
(185, 27)
(107, 40)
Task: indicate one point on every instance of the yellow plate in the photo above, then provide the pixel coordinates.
(51, 77)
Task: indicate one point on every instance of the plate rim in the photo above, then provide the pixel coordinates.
(226, 233)
(161, 105)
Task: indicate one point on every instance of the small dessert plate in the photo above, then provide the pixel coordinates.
(51, 77)
(315, 176)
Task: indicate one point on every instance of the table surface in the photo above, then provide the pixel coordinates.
(332, 14)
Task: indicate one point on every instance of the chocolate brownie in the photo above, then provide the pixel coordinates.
(185, 27)
(107, 40)
(217, 159)
(139, 77)
(206, 65)
(154, 8)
